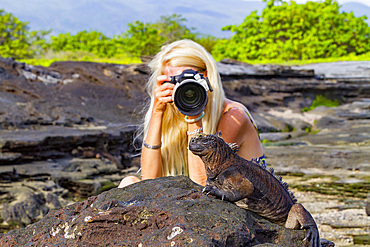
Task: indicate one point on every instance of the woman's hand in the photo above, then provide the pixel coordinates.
(162, 93)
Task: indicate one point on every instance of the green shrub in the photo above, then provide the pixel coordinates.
(15, 39)
(291, 31)
(321, 101)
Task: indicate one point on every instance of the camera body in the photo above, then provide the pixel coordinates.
(190, 95)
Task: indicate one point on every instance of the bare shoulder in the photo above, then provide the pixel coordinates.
(233, 104)
(235, 123)
(236, 110)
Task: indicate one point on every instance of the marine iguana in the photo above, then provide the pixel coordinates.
(251, 185)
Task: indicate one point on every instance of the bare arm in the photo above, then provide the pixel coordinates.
(151, 159)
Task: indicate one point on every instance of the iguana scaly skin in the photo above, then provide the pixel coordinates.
(251, 185)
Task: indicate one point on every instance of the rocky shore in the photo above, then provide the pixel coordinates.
(66, 134)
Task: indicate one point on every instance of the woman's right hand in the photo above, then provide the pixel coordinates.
(162, 93)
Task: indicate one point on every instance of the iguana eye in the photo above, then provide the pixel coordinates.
(204, 141)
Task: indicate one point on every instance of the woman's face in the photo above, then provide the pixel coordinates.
(173, 71)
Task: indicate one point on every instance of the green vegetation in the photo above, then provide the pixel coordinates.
(292, 174)
(15, 39)
(79, 56)
(312, 131)
(106, 186)
(296, 31)
(361, 239)
(92, 42)
(321, 101)
(328, 185)
(285, 33)
(350, 57)
(11, 225)
(344, 190)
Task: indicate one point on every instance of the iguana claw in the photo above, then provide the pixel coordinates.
(312, 235)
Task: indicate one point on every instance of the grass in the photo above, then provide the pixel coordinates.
(47, 59)
(106, 186)
(328, 185)
(361, 239)
(351, 57)
(292, 174)
(80, 56)
(321, 101)
(48, 62)
(357, 190)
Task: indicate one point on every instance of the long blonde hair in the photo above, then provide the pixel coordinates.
(174, 137)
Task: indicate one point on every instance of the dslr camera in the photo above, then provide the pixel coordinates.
(190, 96)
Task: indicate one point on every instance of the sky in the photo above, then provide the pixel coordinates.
(366, 2)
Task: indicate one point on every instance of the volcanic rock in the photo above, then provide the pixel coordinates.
(166, 211)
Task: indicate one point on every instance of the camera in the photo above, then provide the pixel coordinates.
(190, 96)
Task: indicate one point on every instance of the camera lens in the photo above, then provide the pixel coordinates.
(190, 98)
(190, 95)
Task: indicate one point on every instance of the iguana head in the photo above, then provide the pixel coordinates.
(213, 151)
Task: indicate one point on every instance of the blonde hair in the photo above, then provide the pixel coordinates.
(174, 137)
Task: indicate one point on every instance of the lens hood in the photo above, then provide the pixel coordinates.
(190, 97)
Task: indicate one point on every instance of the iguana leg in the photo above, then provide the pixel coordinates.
(231, 186)
(299, 217)
(213, 190)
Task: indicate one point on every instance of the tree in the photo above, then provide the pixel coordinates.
(142, 39)
(172, 28)
(93, 42)
(15, 39)
(13, 36)
(147, 38)
(287, 30)
(38, 42)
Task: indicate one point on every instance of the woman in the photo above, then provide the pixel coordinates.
(167, 132)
